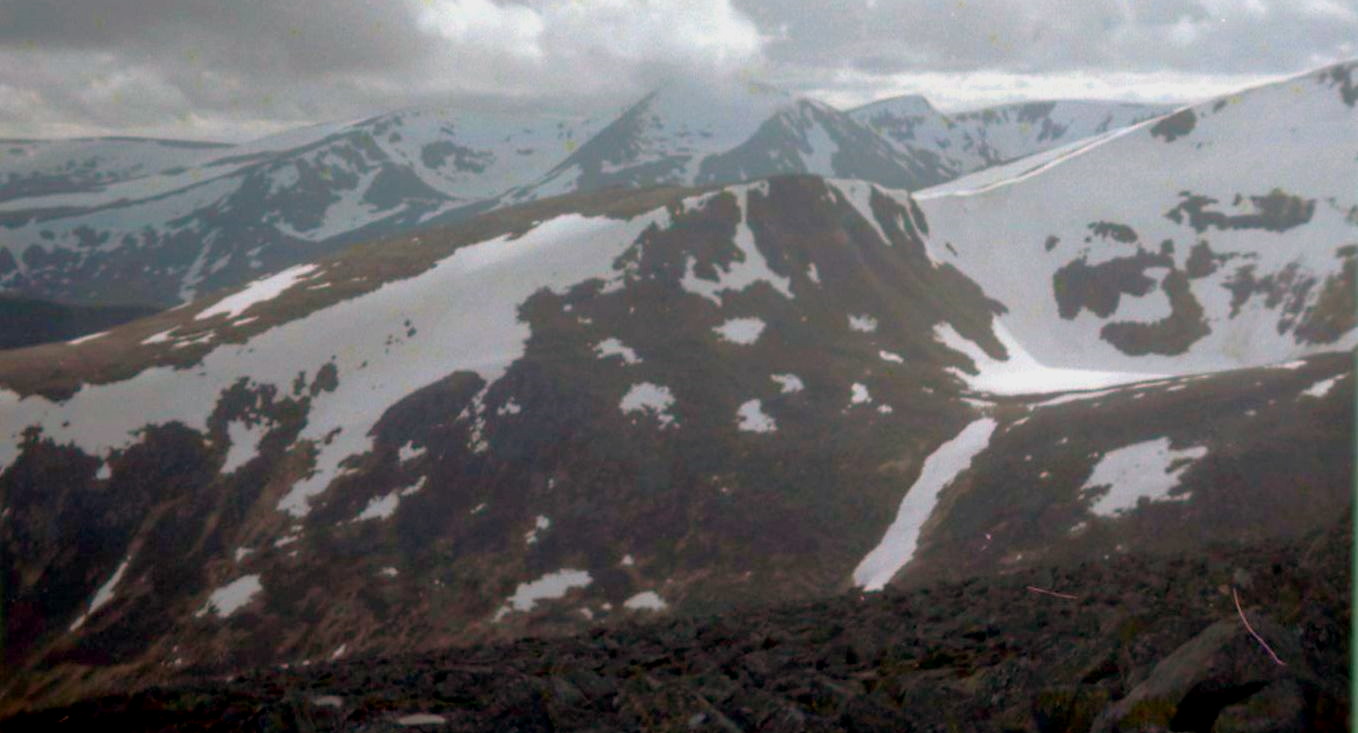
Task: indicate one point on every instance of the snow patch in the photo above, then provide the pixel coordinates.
(743, 331)
(613, 347)
(104, 594)
(469, 298)
(812, 273)
(901, 540)
(753, 419)
(1139, 470)
(859, 194)
(540, 524)
(245, 440)
(649, 398)
(1323, 387)
(381, 507)
(863, 323)
(789, 382)
(549, 586)
(646, 601)
(158, 338)
(860, 394)
(259, 291)
(408, 451)
(231, 597)
(90, 337)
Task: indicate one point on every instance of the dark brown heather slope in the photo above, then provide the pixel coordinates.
(1144, 642)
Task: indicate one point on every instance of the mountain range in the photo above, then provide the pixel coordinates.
(631, 388)
(154, 222)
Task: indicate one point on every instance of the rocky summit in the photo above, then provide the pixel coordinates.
(640, 446)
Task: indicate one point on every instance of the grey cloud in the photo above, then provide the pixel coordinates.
(211, 68)
(1227, 36)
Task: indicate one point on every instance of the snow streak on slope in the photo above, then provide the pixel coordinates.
(902, 537)
(1172, 247)
(104, 594)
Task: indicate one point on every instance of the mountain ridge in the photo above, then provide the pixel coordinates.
(175, 227)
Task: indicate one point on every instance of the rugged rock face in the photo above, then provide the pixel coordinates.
(982, 655)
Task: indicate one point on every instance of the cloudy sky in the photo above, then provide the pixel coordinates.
(236, 69)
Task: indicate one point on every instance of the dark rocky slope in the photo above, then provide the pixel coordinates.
(1145, 642)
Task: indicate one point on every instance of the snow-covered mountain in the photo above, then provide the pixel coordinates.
(635, 401)
(1170, 246)
(966, 142)
(137, 221)
(259, 207)
(37, 168)
(686, 134)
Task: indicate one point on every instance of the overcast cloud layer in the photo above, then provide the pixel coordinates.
(210, 69)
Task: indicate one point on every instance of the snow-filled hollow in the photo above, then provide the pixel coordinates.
(1020, 373)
